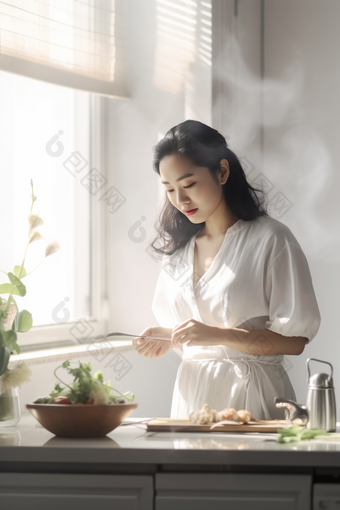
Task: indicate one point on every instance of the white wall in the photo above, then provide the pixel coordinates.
(236, 77)
(301, 151)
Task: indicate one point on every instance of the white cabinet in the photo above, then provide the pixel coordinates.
(69, 492)
(326, 496)
(233, 491)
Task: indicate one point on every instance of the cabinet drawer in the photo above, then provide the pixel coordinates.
(233, 491)
(326, 496)
(67, 492)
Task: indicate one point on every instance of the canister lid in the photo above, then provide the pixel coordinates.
(321, 381)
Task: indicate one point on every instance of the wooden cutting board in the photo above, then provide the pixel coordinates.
(174, 425)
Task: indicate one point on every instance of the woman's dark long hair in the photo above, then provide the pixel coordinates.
(204, 147)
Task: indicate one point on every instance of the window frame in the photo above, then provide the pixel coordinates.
(52, 335)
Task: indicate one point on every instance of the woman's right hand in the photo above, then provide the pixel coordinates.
(153, 348)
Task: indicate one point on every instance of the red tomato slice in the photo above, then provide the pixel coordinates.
(62, 400)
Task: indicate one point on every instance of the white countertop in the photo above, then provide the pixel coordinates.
(29, 442)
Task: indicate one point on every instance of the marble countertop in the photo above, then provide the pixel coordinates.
(132, 444)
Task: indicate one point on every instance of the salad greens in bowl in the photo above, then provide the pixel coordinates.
(87, 407)
(85, 389)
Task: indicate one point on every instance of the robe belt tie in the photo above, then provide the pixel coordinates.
(249, 364)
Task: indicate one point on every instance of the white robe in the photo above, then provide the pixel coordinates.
(259, 279)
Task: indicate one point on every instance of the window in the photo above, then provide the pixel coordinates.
(46, 136)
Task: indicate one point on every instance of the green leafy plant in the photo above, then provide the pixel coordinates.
(22, 321)
(297, 433)
(84, 387)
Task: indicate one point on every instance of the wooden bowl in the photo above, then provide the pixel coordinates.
(80, 420)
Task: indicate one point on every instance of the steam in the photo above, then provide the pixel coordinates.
(297, 160)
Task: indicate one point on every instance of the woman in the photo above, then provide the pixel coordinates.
(235, 292)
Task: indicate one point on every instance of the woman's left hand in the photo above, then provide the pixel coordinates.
(196, 333)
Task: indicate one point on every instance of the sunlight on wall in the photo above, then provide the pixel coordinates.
(205, 33)
(183, 36)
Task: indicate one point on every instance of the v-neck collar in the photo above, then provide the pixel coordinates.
(238, 225)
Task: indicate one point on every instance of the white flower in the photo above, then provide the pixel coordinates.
(51, 248)
(7, 318)
(34, 221)
(15, 377)
(35, 236)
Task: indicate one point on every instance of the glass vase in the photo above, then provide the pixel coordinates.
(10, 413)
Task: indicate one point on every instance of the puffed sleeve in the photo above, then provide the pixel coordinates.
(161, 307)
(293, 308)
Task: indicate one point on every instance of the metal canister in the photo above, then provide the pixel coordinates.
(320, 402)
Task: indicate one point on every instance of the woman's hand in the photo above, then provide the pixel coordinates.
(196, 333)
(153, 348)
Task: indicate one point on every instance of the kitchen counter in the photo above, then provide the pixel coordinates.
(132, 444)
(131, 468)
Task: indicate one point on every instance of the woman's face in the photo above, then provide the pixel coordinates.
(190, 187)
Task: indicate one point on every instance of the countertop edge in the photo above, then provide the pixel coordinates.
(31, 454)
